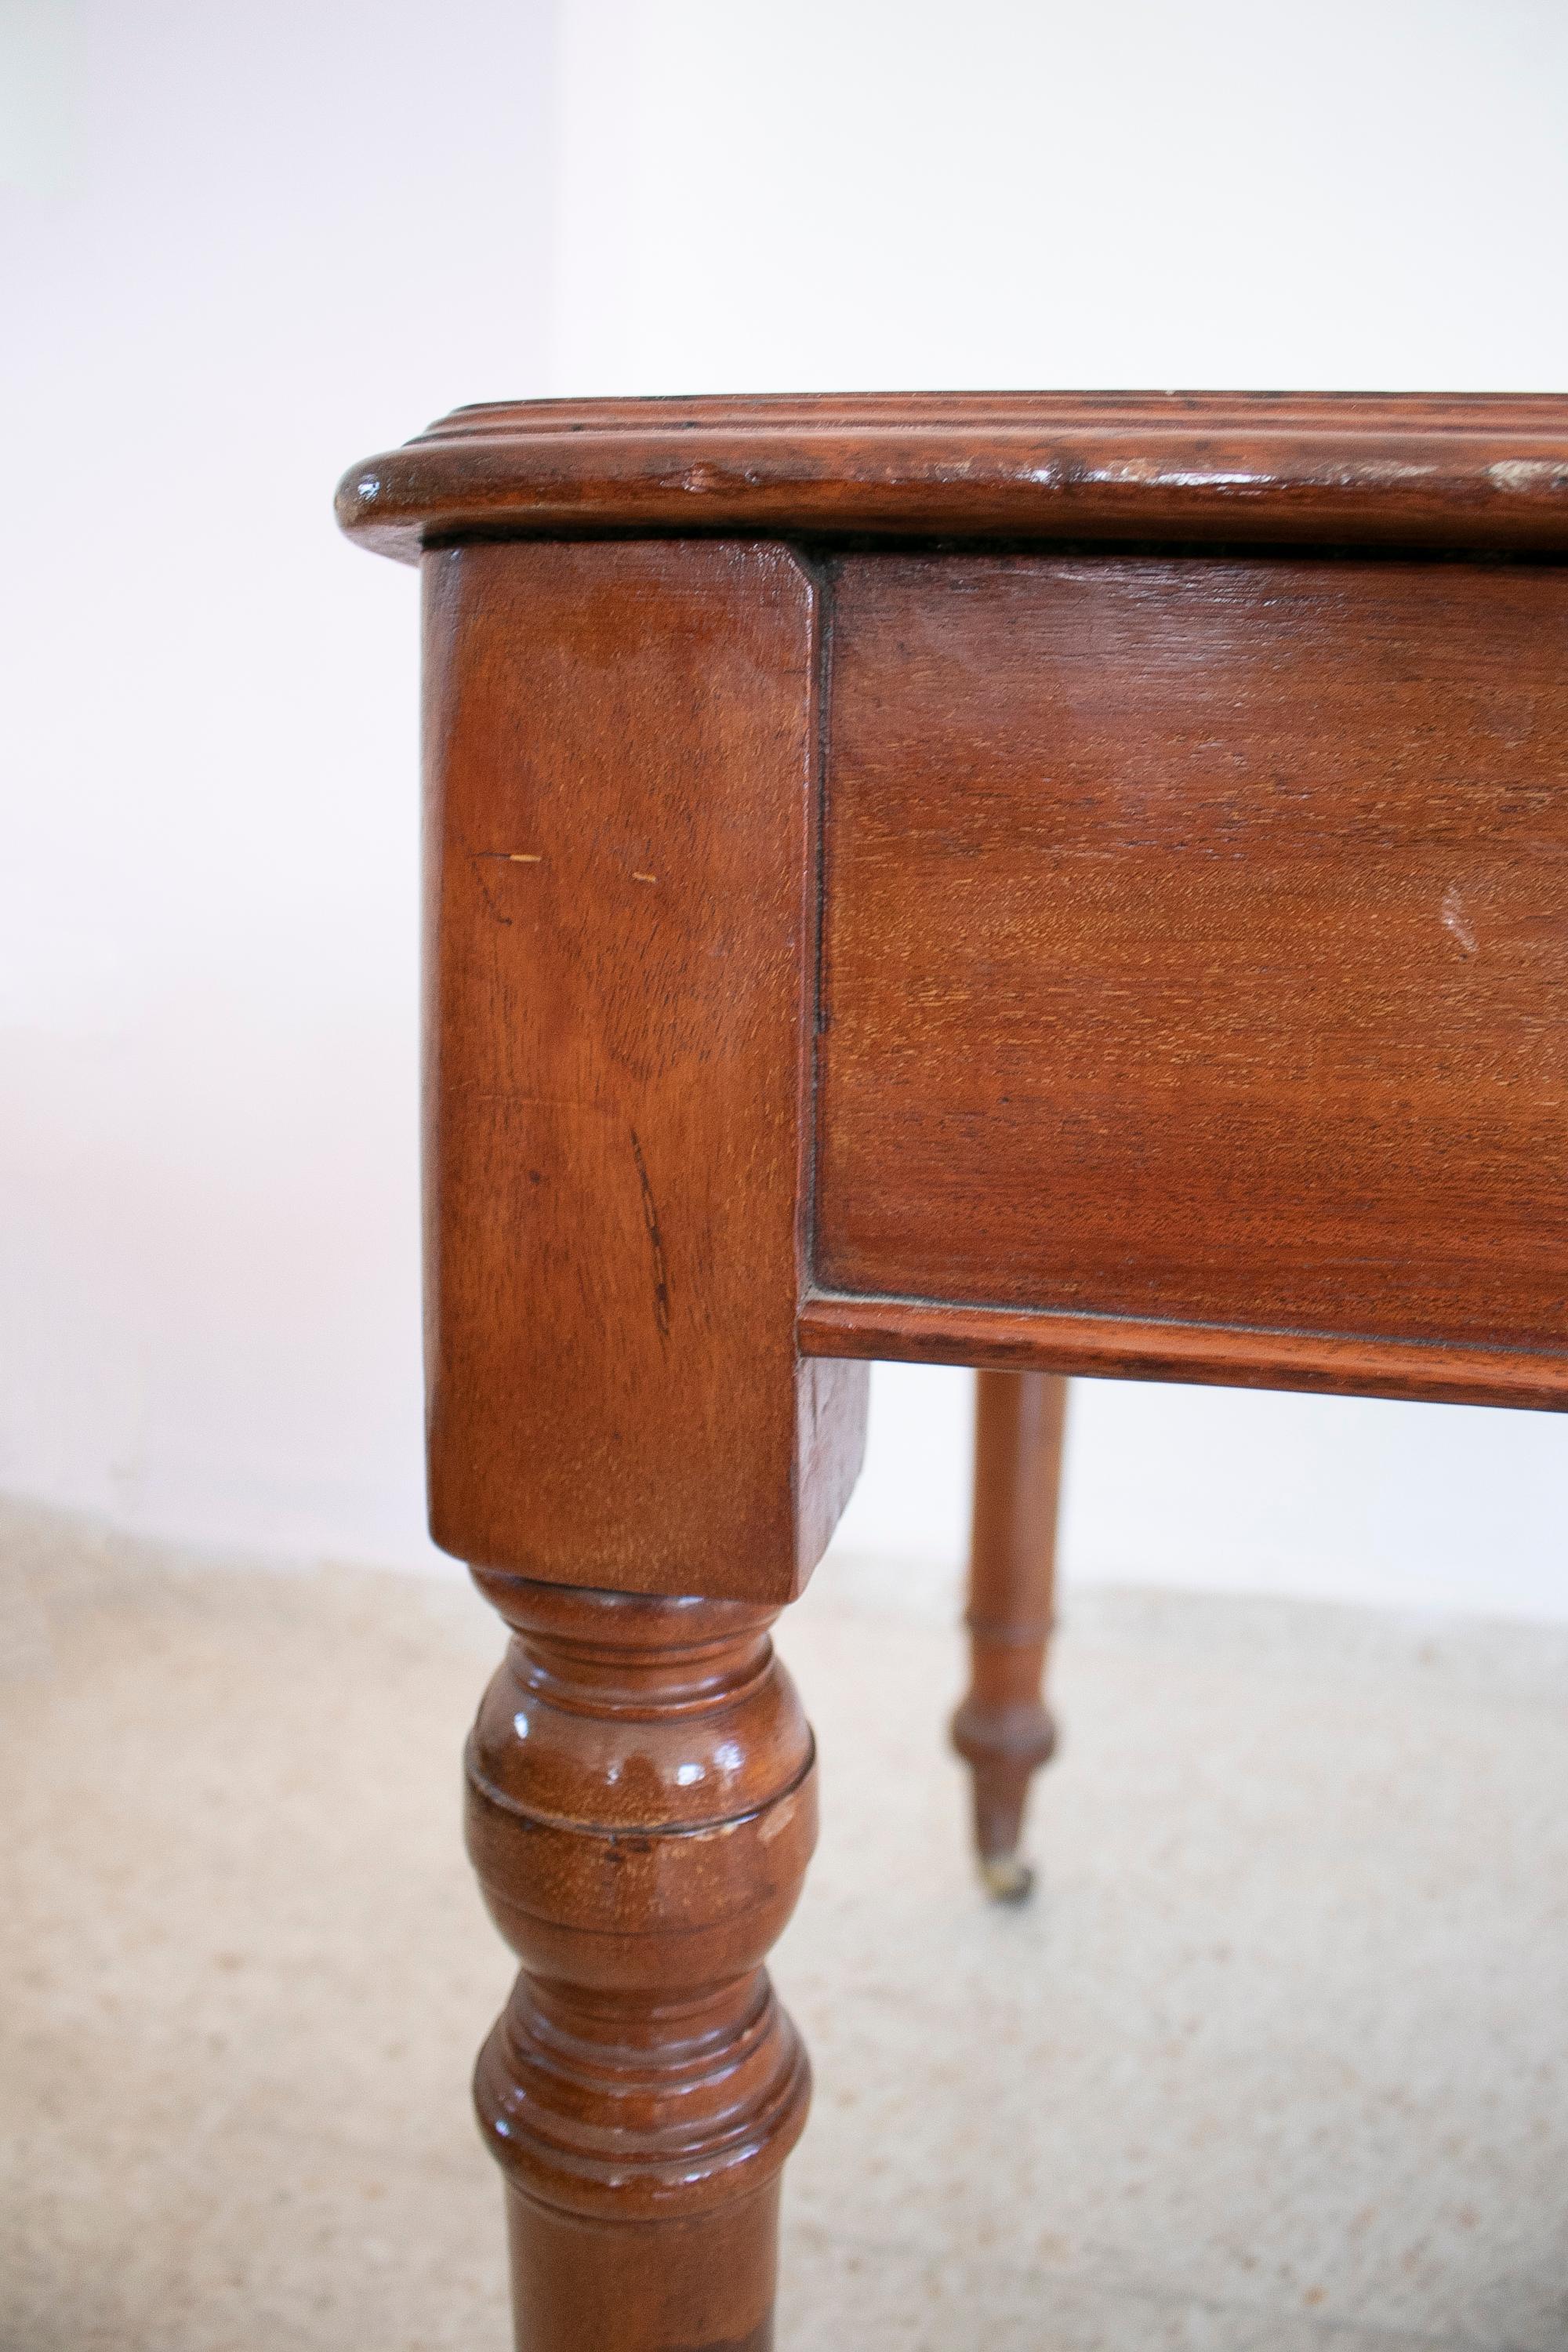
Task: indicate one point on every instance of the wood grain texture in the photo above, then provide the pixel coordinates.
(1187, 1003)
(1444, 469)
(1196, 955)
(641, 1809)
(1002, 1728)
(619, 746)
(1120, 1348)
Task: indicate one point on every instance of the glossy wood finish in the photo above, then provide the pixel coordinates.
(641, 1810)
(927, 1331)
(1139, 961)
(1004, 1729)
(1197, 946)
(622, 897)
(620, 752)
(1446, 469)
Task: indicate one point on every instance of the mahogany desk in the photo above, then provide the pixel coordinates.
(1067, 883)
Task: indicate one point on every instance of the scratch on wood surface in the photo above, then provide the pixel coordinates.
(479, 858)
(1454, 918)
(645, 877)
(1517, 474)
(655, 1242)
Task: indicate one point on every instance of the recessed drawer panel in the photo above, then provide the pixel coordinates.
(1197, 941)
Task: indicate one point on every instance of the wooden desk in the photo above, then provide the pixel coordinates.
(1073, 883)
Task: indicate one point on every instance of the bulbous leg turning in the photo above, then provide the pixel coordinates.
(1004, 1729)
(641, 1811)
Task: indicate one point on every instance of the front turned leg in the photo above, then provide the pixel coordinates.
(1004, 1729)
(641, 1809)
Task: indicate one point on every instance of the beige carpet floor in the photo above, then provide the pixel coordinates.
(1275, 2062)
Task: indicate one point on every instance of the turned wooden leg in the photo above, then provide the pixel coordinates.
(641, 1808)
(1004, 1728)
(621, 743)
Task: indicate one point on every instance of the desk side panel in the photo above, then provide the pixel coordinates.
(1195, 962)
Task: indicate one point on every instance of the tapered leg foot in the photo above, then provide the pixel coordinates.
(1004, 1729)
(641, 1810)
(707, 2284)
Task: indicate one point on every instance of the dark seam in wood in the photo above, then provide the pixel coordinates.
(955, 1310)
(655, 1239)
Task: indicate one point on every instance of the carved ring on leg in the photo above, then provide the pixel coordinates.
(1005, 1746)
(641, 1811)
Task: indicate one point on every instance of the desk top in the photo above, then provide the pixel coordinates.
(1463, 470)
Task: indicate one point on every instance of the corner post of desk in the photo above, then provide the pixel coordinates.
(625, 1443)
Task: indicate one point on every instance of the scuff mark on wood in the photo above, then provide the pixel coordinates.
(1528, 474)
(654, 1241)
(1456, 921)
(478, 858)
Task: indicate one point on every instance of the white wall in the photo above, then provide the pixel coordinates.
(244, 245)
(1037, 193)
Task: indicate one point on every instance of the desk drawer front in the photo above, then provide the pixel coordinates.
(1196, 942)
